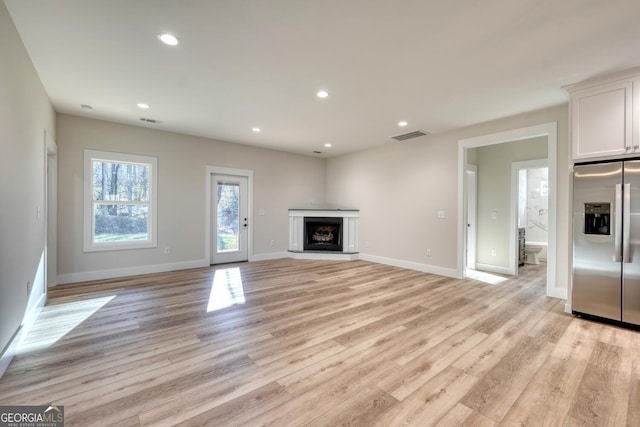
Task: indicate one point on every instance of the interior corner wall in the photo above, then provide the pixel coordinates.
(281, 181)
(25, 114)
(400, 188)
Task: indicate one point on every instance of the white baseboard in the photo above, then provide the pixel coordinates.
(27, 322)
(493, 268)
(560, 293)
(10, 351)
(129, 271)
(328, 256)
(268, 256)
(425, 268)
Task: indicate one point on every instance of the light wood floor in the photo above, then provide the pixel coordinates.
(323, 343)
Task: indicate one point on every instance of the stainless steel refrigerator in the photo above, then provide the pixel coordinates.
(606, 240)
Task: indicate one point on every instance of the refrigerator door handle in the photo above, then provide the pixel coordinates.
(617, 255)
(626, 223)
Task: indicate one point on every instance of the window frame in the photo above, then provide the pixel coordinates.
(89, 245)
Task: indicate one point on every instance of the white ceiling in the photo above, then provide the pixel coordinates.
(439, 64)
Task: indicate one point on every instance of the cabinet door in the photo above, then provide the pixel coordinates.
(601, 119)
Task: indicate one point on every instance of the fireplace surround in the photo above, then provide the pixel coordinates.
(324, 233)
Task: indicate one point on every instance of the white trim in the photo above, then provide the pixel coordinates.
(513, 217)
(425, 268)
(471, 196)
(212, 170)
(14, 344)
(550, 130)
(270, 256)
(51, 210)
(491, 268)
(327, 256)
(88, 276)
(88, 244)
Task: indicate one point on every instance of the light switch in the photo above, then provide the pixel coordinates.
(442, 214)
(494, 215)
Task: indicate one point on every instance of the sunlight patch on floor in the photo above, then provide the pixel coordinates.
(226, 289)
(56, 321)
(485, 277)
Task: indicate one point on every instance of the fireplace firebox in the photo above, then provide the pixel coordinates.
(322, 234)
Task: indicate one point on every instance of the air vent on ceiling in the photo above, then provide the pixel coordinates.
(410, 135)
(146, 120)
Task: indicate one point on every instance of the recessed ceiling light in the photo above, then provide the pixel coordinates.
(402, 123)
(142, 105)
(167, 38)
(328, 144)
(256, 130)
(322, 94)
(86, 107)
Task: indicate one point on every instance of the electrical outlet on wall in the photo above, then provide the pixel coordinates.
(428, 252)
(494, 252)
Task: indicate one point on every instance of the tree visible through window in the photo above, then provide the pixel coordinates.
(228, 217)
(121, 201)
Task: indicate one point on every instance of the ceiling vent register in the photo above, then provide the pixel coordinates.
(410, 135)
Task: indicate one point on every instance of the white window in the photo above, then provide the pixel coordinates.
(119, 201)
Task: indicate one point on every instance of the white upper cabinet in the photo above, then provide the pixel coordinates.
(605, 118)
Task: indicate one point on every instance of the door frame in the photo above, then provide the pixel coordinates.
(241, 254)
(219, 170)
(516, 167)
(549, 130)
(471, 234)
(51, 209)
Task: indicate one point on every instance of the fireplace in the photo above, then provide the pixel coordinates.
(322, 234)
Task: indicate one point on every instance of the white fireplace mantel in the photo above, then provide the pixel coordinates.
(349, 229)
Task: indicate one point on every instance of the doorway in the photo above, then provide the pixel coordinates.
(530, 207)
(210, 195)
(550, 132)
(230, 219)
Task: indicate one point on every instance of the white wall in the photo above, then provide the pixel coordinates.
(25, 115)
(281, 181)
(494, 195)
(400, 188)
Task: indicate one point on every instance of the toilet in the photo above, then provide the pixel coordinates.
(531, 253)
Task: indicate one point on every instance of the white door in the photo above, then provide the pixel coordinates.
(229, 235)
(472, 207)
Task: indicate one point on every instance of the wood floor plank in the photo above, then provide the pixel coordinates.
(547, 398)
(496, 392)
(431, 401)
(324, 343)
(410, 377)
(603, 395)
